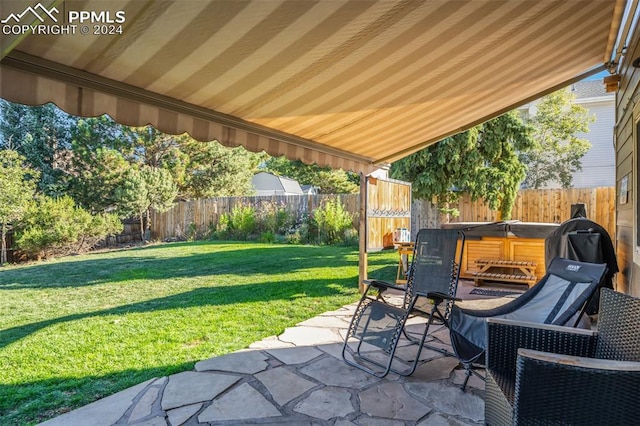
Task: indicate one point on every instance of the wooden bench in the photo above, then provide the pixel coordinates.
(522, 272)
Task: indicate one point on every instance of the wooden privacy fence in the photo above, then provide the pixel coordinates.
(548, 206)
(204, 214)
(532, 205)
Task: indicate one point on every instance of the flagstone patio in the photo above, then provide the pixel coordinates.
(297, 378)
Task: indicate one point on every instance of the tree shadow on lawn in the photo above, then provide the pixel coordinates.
(204, 296)
(53, 397)
(134, 264)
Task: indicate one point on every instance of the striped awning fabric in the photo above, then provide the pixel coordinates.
(348, 83)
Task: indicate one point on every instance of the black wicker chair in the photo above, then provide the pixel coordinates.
(377, 325)
(549, 375)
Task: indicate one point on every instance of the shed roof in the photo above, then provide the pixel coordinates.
(264, 181)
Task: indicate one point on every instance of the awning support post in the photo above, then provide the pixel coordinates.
(363, 260)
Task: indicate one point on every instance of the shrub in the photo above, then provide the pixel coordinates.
(239, 224)
(56, 226)
(351, 237)
(294, 237)
(192, 232)
(267, 237)
(271, 222)
(332, 222)
(101, 226)
(274, 218)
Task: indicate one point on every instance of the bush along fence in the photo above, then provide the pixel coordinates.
(265, 218)
(202, 218)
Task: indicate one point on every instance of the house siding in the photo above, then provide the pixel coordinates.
(599, 162)
(627, 115)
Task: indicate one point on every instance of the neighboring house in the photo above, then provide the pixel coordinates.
(599, 163)
(268, 184)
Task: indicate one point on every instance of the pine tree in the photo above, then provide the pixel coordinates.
(18, 183)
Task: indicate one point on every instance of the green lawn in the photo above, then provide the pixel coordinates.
(79, 328)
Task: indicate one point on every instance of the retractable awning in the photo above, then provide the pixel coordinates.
(352, 84)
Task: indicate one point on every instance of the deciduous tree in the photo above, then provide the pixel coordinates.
(557, 151)
(482, 161)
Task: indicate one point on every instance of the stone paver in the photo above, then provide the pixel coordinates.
(325, 321)
(333, 349)
(336, 373)
(298, 378)
(371, 421)
(106, 411)
(284, 385)
(144, 407)
(307, 336)
(474, 381)
(248, 362)
(155, 421)
(435, 369)
(391, 400)
(448, 400)
(190, 387)
(438, 419)
(296, 355)
(180, 415)
(326, 404)
(241, 403)
(271, 342)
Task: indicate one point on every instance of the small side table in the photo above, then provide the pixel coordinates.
(405, 250)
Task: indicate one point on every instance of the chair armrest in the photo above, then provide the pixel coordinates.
(572, 361)
(564, 389)
(381, 285)
(505, 337)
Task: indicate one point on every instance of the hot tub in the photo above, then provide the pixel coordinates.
(497, 248)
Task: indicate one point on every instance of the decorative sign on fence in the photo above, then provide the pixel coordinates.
(388, 208)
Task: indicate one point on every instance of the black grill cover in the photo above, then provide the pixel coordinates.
(586, 241)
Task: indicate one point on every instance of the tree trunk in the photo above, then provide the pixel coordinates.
(147, 228)
(142, 230)
(3, 250)
(445, 215)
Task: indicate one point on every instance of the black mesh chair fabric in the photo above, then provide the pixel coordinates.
(547, 375)
(378, 325)
(558, 298)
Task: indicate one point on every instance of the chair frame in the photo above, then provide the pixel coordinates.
(408, 309)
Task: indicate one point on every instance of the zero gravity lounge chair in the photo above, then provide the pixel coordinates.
(559, 298)
(378, 325)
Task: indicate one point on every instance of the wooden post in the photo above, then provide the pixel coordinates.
(363, 261)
